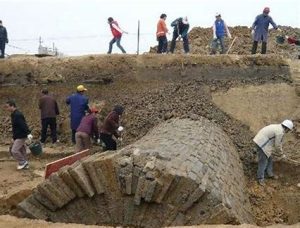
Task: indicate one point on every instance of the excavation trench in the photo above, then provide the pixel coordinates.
(170, 170)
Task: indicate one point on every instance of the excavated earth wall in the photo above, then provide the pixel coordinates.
(106, 69)
(155, 88)
(183, 172)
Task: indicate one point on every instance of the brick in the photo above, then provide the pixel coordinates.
(69, 180)
(95, 180)
(82, 179)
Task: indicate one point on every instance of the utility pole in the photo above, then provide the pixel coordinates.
(138, 38)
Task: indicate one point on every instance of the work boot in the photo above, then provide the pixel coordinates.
(264, 48)
(25, 165)
(274, 177)
(254, 47)
(261, 182)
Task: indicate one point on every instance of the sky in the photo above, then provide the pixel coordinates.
(79, 27)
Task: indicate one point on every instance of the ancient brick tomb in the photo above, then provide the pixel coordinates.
(182, 172)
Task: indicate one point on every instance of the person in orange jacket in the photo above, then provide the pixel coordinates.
(161, 34)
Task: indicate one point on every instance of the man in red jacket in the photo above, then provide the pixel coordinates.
(111, 127)
(117, 35)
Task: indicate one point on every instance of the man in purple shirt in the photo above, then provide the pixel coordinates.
(87, 129)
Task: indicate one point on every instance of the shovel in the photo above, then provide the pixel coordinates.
(231, 45)
(294, 162)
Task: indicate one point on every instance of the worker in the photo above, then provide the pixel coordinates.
(220, 30)
(260, 30)
(117, 33)
(268, 141)
(3, 40)
(49, 110)
(87, 129)
(181, 28)
(161, 34)
(20, 133)
(79, 105)
(111, 127)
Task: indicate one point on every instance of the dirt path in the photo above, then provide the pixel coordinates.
(10, 221)
(17, 185)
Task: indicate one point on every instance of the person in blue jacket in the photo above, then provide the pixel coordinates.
(79, 105)
(181, 28)
(260, 30)
(220, 30)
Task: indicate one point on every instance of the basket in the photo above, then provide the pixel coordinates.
(36, 148)
(280, 39)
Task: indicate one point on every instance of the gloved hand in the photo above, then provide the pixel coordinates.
(252, 32)
(120, 128)
(283, 156)
(215, 37)
(179, 37)
(98, 141)
(29, 137)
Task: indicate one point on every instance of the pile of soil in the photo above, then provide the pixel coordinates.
(201, 38)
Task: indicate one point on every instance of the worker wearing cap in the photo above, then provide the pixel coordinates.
(220, 30)
(260, 30)
(79, 105)
(111, 127)
(87, 129)
(181, 28)
(161, 34)
(268, 140)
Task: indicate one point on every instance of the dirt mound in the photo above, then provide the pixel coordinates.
(200, 40)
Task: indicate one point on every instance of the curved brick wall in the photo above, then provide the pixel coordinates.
(183, 172)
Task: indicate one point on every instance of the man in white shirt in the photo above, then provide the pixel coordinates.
(268, 141)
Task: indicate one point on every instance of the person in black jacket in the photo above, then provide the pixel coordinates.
(20, 132)
(3, 39)
(181, 28)
(49, 111)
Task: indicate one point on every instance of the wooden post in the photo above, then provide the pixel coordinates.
(138, 39)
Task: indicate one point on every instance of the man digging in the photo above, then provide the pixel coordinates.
(268, 140)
